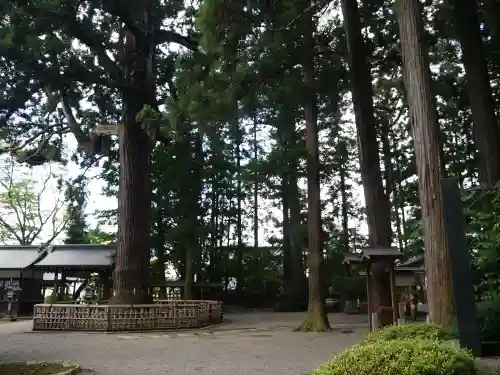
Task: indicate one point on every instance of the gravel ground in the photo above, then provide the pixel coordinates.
(247, 343)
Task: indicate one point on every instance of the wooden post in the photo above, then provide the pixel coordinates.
(461, 273)
(395, 306)
(369, 295)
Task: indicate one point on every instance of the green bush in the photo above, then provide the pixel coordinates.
(488, 316)
(401, 357)
(410, 331)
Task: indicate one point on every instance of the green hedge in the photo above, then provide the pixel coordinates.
(401, 357)
(411, 332)
(488, 316)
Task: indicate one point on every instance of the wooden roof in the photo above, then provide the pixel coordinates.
(78, 256)
(352, 258)
(375, 253)
(18, 257)
(417, 260)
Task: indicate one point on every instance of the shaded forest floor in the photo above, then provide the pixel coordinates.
(247, 343)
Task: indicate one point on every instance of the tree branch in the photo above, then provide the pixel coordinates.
(313, 7)
(38, 227)
(95, 43)
(83, 139)
(11, 231)
(166, 36)
(161, 36)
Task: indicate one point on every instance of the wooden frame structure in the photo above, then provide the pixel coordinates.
(17, 270)
(368, 257)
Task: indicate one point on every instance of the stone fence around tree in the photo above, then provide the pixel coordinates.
(164, 315)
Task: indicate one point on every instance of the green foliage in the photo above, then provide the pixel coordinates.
(488, 316)
(76, 197)
(24, 216)
(401, 357)
(99, 237)
(483, 230)
(243, 69)
(409, 332)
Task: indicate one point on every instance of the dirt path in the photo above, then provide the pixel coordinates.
(248, 343)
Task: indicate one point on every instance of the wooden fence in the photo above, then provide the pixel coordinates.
(164, 315)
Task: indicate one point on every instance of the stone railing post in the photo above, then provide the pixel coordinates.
(108, 323)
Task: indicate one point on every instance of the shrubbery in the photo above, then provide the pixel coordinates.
(488, 316)
(401, 357)
(413, 349)
(411, 332)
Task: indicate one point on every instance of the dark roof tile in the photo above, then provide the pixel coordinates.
(19, 256)
(78, 256)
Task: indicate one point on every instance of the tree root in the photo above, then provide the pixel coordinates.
(128, 297)
(314, 322)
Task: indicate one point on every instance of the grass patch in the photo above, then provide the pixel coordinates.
(20, 368)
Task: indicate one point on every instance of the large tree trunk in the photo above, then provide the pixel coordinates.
(255, 188)
(190, 200)
(134, 203)
(296, 236)
(239, 223)
(316, 319)
(377, 202)
(344, 243)
(160, 245)
(294, 295)
(134, 212)
(486, 132)
(422, 108)
(287, 276)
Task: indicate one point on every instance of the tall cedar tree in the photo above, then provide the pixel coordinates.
(377, 201)
(316, 319)
(486, 131)
(422, 106)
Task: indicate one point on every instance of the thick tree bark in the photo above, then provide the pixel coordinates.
(190, 200)
(239, 198)
(134, 210)
(316, 319)
(377, 202)
(486, 132)
(131, 276)
(343, 198)
(287, 275)
(294, 296)
(422, 108)
(296, 238)
(160, 246)
(344, 202)
(255, 188)
(215, 272)
(189, 272)
(400, 206)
